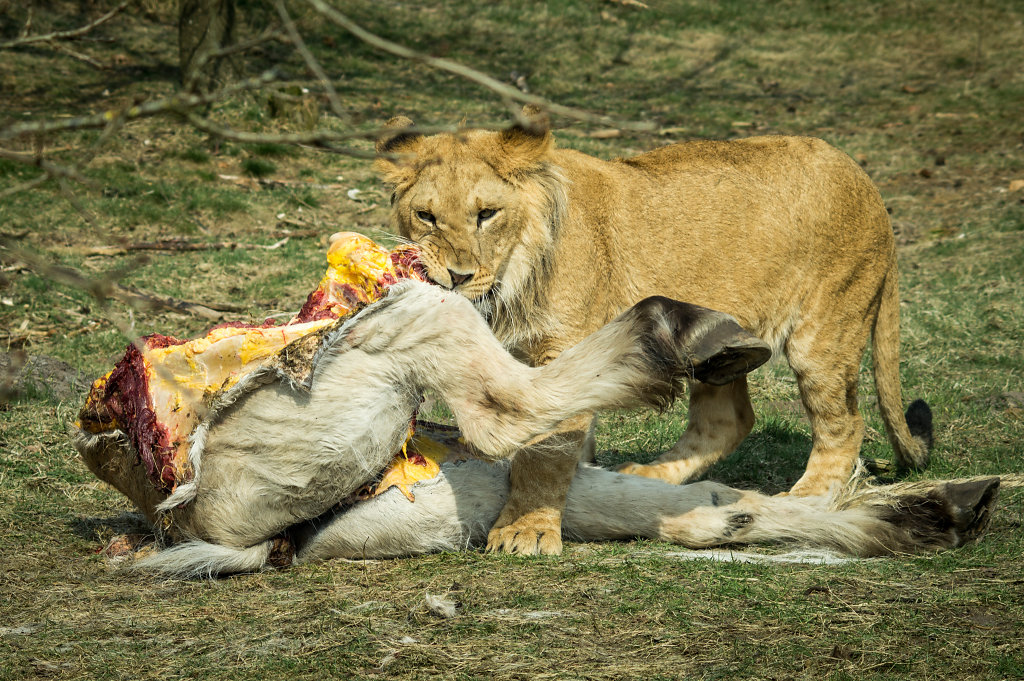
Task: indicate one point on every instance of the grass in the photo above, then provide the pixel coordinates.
(925, 95)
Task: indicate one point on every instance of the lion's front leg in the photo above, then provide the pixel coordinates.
(531, 520)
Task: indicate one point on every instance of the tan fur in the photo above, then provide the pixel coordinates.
(787, 234)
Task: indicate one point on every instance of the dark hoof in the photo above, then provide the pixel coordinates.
(970, 505)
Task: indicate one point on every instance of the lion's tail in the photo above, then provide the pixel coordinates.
(909, 434)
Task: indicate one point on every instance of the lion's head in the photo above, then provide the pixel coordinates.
(481, 205)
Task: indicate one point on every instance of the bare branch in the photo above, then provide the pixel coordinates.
(24, 186)
(26, 39)
(65, 190)
(324, 139)
(99, 288)
(177, 104)
(78, 56)
(106, 287)
(28, 23)
(143, 300)
(504, 90)
(266, 36)
(311, 62)
(52, 169)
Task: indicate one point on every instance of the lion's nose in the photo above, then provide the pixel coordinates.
(459, 279)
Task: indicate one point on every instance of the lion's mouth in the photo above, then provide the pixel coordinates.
(466, 284)
(474, 285)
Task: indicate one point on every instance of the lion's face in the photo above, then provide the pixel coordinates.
(465, 220)
(477, 218)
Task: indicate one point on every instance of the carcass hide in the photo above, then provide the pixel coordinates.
(260, 445)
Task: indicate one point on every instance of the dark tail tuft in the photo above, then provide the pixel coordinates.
(919, 420)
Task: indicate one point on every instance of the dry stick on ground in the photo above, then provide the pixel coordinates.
(183, 245)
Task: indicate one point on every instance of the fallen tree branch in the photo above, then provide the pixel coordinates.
(179, 245)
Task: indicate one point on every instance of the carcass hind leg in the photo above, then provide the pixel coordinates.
(719, 418)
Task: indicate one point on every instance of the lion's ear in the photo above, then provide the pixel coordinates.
(395, 140)
(523, 146)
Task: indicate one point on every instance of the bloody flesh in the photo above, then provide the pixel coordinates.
(162, 388)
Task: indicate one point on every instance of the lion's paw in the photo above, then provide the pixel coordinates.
(816, 486)
(643, 470)
(536, 533)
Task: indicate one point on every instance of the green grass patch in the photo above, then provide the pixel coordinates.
(896, 85)
(258, 167)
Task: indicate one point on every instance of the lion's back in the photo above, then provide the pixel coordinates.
(757, 227)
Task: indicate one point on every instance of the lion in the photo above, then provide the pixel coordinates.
(787, 234)
(276, 462)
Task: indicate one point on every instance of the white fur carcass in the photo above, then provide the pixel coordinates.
(276, 461)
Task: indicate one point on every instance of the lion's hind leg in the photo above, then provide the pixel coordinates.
(825, 356)
(718, 420)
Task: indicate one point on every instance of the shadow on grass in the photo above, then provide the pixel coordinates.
(101, 529)
(770, 460)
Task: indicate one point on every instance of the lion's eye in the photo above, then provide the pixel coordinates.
(426, 216)
(485, 215)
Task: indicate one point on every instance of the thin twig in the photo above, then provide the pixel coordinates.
(78, 56)
(311, 62)
(25, 39)
(504, 90)
(147, 301)
(28, 24)
(106, 287)
(99, 288)
(267, 35)
(323, 139)
(65, 190)
(52, 169)
(24, 186)
(177, 104)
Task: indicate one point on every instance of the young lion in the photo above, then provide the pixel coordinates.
(787, 234)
